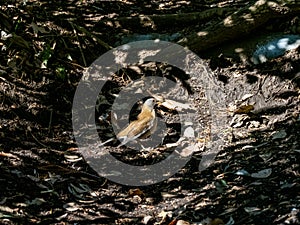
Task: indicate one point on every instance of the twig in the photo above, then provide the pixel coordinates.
(50, 121)
(102, 43)
(72, 63)
(79, 44)
(45, 146)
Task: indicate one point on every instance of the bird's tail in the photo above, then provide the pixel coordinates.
(105, 142)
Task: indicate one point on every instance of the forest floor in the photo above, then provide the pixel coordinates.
(45, 48)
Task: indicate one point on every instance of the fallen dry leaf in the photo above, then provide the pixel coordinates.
(244, 109)
(136, 192)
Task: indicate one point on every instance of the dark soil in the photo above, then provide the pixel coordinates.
(45, 180)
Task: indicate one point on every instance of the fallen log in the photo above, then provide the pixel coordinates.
(240, 23)
(155, 22)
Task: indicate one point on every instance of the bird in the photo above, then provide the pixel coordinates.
(142, 127)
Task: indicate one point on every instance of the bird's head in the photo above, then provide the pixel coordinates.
(149, 103)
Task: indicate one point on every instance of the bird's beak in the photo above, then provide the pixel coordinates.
(158, 99)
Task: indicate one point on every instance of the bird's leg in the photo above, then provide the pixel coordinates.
(145, 149)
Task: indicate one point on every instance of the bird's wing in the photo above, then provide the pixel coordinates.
(135, 129)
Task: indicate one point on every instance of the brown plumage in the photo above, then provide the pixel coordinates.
(142, 127)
